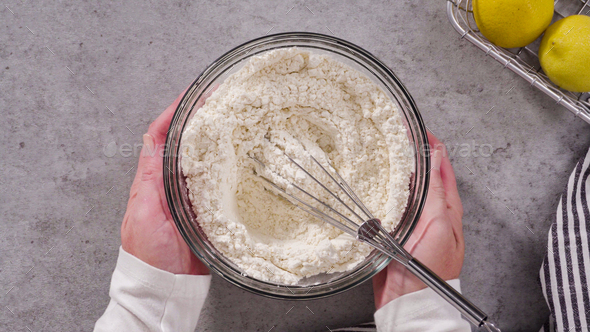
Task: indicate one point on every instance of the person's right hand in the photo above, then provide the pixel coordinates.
(437, 240)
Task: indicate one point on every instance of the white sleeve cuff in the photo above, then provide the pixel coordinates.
(146, 298)
(423, 310)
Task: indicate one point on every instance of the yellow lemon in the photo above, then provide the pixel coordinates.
(565, 53)
(512, 23)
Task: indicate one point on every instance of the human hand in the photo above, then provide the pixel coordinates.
(437, 240)
(148, 231)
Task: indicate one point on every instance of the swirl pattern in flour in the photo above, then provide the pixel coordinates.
(296, 103)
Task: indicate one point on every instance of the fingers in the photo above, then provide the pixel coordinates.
(436, 191)
(454, 205)
(450, 183)
(436, 204)
(149, 165)
(443, 177)
(159, 128)
(433, 140)
(447, 176)
(150, 160)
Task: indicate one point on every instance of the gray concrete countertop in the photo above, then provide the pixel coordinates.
(78, 76)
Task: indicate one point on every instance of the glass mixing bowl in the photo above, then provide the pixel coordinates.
(177, 195)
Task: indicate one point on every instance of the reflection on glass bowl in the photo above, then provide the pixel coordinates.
(177, 193)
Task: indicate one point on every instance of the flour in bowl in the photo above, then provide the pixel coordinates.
(291, 102)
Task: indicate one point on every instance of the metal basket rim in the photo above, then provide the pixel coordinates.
(508, 59)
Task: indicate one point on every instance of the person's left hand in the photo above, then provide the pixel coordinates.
(148, 231)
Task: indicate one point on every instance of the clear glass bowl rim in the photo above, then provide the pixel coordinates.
(174, 182)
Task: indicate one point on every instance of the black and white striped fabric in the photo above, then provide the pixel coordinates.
(366, 327)
(565, 273)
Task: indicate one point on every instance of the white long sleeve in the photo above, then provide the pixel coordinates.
(144, 298)
(423, 311)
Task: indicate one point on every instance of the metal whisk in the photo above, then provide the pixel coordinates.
(369, 230)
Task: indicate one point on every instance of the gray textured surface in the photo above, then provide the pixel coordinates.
(135, 58)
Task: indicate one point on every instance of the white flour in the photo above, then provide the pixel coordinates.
(292, 101)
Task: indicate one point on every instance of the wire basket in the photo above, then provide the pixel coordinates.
(524, 61)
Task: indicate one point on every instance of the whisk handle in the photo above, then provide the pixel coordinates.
(473, 314)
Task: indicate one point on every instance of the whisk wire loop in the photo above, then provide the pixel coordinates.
(311, 209)
(371, 231)
(323, 186)
(344, 187)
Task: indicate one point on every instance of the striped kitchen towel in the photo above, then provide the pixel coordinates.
(366, 327)
(565, 273)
